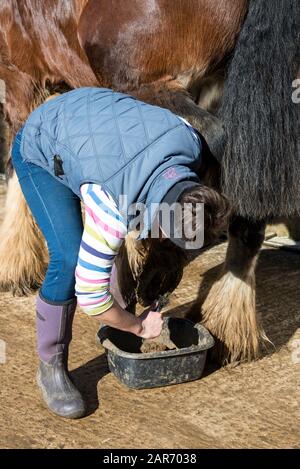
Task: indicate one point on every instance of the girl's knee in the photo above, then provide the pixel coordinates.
(59, 284)
(63, 265)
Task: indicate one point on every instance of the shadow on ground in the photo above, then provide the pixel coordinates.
(87, 377)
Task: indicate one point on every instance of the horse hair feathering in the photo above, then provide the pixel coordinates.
(261, 166)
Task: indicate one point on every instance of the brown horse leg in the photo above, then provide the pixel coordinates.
(137, 260)
(210, 91)
(128, 263)
(229, 310)
(21, 95)
(22, 248)
(172, 95)
(148, 269)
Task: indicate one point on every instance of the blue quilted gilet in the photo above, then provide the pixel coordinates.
(128, 147)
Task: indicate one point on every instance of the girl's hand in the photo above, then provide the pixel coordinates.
(152, 324)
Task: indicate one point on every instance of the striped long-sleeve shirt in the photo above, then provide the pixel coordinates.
(104, 232)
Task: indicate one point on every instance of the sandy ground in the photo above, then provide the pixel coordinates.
(254, 405)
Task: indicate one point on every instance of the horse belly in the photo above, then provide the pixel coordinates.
(130, 42)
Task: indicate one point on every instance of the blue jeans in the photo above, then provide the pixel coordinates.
(57, 212)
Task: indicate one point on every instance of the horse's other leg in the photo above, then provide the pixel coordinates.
(139, 261)
(20, 93)
(229, 310)
(164, 259)
(128, 263)
(22, 248)
(209, 92)
(172, 95)
(148, 269)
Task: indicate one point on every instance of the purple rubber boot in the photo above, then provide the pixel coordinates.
(54, 334)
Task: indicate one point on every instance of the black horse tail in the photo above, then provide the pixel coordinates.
(261, 165)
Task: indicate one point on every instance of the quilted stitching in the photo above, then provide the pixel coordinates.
(109, 137)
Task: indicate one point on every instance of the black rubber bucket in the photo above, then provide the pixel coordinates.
(149, 370)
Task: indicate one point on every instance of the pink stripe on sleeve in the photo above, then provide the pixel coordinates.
(88, 280)
(104, 226)
(97, 301)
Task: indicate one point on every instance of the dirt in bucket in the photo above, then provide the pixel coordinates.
(159, 344)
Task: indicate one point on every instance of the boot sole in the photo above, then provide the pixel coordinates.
(75, 415)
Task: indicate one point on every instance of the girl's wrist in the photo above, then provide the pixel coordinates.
(137, 328)
(121, 319)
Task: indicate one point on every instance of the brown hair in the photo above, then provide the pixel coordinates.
(216, 211)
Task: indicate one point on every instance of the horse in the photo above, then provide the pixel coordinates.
(179, 55)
